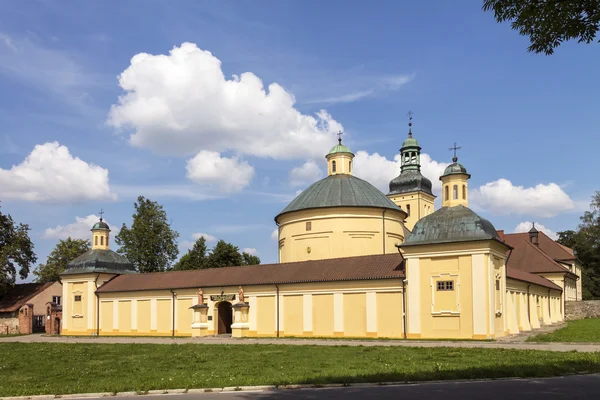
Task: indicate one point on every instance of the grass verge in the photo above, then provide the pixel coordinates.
(583, 330)
(59, 368)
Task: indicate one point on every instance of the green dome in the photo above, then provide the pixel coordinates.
(99, 261)
(340, 191)
(339, 148)
(410, 142)
(100, 226)
(455, 168)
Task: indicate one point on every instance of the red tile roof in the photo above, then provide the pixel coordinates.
(523, 276)
(553, 249)
(528, 257)
(382, 266)
(20, 294)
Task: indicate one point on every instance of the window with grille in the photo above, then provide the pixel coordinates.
(77, 297)
(309, 226)
(445, 285)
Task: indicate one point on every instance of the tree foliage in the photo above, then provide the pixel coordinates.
(222, 255)
(586, 243)
(548, 23)
(16, 251)
(150, 244)
(64, 251)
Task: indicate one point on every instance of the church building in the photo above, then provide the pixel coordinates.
(353, 262)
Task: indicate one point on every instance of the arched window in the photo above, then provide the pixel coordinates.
(350, 167)
(101, 240)
(455, 192)
(96, 240)
(446, 194)
(408, 209)
(464, 192)
(333, 166)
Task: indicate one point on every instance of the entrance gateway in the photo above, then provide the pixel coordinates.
(225, 317)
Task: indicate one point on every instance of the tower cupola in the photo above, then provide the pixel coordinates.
(101, 235)
(339, 159)
(455, 188)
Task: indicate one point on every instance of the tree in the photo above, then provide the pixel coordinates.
(150, 244)
(586, 243)
(16, 250)
(224, 255)
(65, 251)
(548, 23)
(250, 259)
(194, 258)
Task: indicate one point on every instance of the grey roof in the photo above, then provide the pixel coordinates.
(451, 224)
(100, 225)
(410, 181)
(340, 190)
(455, 168)
(99, 261)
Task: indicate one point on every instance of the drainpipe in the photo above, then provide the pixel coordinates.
(97, 306)
(173, 301)
(383, 232)
(277, 287)
(404, 307)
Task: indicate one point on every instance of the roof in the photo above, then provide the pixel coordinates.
(553, 249)
(523, 276)
(455, 168)
(381, 266)
(339, 148)
(341, 190)
(410, 181)
(410, 142)
(100, 226)
(18, 295)
(99, 261)
(528, 257)
(451, 224)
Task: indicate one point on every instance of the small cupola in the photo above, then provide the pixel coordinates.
(455, 188)
(339, 159)
(100, 235)
(534, 235)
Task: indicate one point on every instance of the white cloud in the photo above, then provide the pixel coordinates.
(182, 103)
(526, 226)
(80, 229)
(275, 234)
(309, 172)
(206, 236)
(250, 250)
(51, 174)
(379, 171)
(229, 174)
(502, 197)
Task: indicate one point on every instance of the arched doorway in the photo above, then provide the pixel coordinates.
(57, 326)
(225, 317)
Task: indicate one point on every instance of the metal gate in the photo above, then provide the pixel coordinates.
(39, 324)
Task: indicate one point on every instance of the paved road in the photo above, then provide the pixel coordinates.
(572, 387)
(582, 347)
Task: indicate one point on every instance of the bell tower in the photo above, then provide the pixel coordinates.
(410, 190)
(455, 188)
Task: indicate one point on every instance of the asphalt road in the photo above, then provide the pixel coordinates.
(571, 387)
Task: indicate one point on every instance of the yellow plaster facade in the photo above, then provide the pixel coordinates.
(417, 205)
(455, 190)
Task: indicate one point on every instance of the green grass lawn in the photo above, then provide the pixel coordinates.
(58, 368)
(583, 330)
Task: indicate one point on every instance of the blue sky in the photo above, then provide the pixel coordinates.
(224, 140)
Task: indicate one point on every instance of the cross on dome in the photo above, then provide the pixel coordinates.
(455, 158)
(101, 213)
(339, 135)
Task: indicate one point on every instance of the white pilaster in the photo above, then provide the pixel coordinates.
(252, 313)
(281, 312)
(152, 314)
(491, 286)
(115, 314)
(371, 300)
(413, 274)
(91, 303)
(307, 307)
(338, 312)
(134, 317)
(511, 315)
(66, 303)
(478, 288)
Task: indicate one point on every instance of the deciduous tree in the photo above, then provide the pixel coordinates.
(195, 258)
(150, 244)
(548, 23)
(16, 252)
(64, 252)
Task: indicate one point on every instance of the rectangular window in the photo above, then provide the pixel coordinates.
(56, 300)
(77, 297)
(445, 285)
(497, 285)
(309, 226)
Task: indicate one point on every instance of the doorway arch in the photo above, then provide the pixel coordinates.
(225, 317)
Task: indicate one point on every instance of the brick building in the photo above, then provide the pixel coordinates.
(24, 308)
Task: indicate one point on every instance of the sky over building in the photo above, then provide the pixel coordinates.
(223, 111)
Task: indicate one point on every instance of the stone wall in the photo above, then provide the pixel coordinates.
(582, 309)
(9, 325)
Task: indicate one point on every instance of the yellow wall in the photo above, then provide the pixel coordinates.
(420, 205)
(322, 315)
(448, 183)
(125, 316)
(389, 314)
(100, 240)
(106, 317)
(294, 315)
(184, 317)
(343, 163)
(266, 317)
(143, 316)
(339, 232)
(164, 323)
